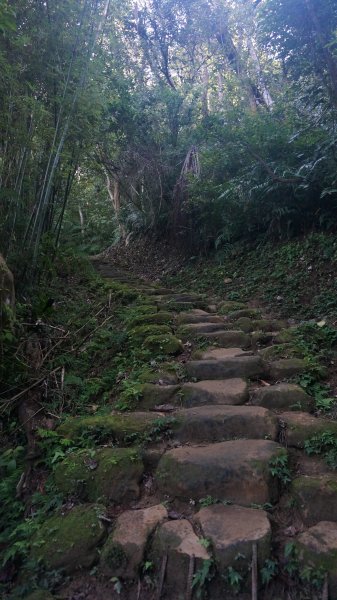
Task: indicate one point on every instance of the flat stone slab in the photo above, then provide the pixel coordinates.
(222, 353)
(229, 338)
(192, 318)
(154, 395)
(301, 426)
(281, 395)
(199, 328)
(123, 552)
(237, 471)
(316, 497)
(226, 391)
(318, 548)
(219, 423)
(241, 366)
(233, 530)
(177, 541)
(286, 368)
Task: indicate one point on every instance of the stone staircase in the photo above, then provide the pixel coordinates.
(195, 502)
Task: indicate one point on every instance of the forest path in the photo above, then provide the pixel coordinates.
(219, 482)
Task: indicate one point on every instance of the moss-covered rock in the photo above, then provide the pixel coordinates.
(154, 395)
(251, 313)
(108, 428)
(107, 474)
(280, 351)
(269, 325)
(300, 426)
(316, 497)
(285, 336)
(317, 548)
(140, 333)
(227, 307)
(163, 344)
(286, 368)
(157, 318)
(70, 541)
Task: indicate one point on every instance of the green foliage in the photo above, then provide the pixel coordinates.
(202, 577)
(279, 468)
(324, 445)
(268, 571)
(234, 578)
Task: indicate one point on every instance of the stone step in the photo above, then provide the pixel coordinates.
(281, 396)
(226, 391)
(223, 353)
(237, 471)
(228, 338)
(176, 543)
(300, 426)
(286, 368)
(315, 497)
(191, 318)
(317, 547)
(219, 423)
(241, 366)
(199, 328)
(232, 531)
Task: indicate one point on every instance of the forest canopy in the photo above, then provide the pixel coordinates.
(208, 121)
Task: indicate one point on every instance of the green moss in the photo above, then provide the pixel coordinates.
(119, 427)
(158, 318)
(140, 333)
(163, 344)
(113, 557)
(285, 335)
(108, 474)
(279, 351)
(251, 313)
(228, 307)
(40, 595)
(70, 541)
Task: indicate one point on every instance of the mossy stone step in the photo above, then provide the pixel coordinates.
(226, 391)
(157, 318)
(241, 366)
(251, 313)
(105, 474)
(177, 542)
(230, 306)
(237, 471)
(219, 423)
(116, 427)
(70, 541)
(199, 329)
(228, 338)
(123, 552)
(300, 426)
(232, 531)
(315, 497)
(191, 318)
(163, 344)
(156, 395)
(286, 368)
(222, 353)
(317, 548)
(282, 396)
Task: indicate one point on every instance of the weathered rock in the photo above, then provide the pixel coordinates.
(245, 324)
(269, 325)
(286, 368)
(318, 548)
(251, 313)
(125, 427)
(261, 338)
(70, 541)
(285, 335)
(316, 497)
(241, 366)
(157, 318)
(177, 541)
(282, 395)
(163, 344)
(192, 317)
(237, 471)
(278, 351)
(154, 395)
(107, 474)
(140, 333)
(222, 353)
(228, 339)
(219, 423)
(233, 530)
(227, 391)
(301, 426)
(193, 329)
(123, 552)
(229, 306)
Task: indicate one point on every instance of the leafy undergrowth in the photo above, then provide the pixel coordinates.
(295, 279)
(70, 353)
